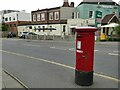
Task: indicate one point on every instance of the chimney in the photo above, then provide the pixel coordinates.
(65, 3)
(72, 4)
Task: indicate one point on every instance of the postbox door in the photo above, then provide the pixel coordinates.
(84, 55)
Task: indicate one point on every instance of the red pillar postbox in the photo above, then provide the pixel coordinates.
(84, 55)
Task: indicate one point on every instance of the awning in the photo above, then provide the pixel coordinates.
(73, 26)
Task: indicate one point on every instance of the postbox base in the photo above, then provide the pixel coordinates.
(83, 78)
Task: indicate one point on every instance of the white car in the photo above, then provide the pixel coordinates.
(23, 34)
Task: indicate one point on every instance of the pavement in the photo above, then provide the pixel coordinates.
(9, 82)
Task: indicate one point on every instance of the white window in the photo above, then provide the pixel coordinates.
(57, 16)
(34, 17)
(51, 16)
(38, 17)
(43, 16)
(91, 14)
(78, 15)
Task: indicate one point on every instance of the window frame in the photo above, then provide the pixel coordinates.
(34, 17)
(38, 17)
(55, 15)
(6, 19)
(42, 16)
(91, 15)
(51, 16)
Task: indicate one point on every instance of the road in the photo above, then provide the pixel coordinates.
(49, 64)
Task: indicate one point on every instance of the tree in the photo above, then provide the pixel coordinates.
(4, 28)
(117, 29)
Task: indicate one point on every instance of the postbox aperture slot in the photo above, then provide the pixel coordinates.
(79, 36)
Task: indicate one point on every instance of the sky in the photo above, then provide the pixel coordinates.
(32, 5)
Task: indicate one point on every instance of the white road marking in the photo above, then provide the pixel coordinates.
(59, 64)
(113, 54)
(31, 45)
(52, 47)
(96, 50)
(59, 48)
(108, 77)
(72, 49)
(116, 51)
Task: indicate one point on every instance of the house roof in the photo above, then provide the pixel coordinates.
(47, 9)
(97, 1)
(108, 18)
(106, 2)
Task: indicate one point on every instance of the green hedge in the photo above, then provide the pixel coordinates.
(113, 39)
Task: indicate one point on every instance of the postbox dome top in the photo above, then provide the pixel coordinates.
(86, 29)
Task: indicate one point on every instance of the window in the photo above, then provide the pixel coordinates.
(73, 15)
(14, 25)
(3, 18)
(6, 19)
(14, 18)
(78, 15)
(30, 27)
(38, 26)
(17, 17)
(43, 16)
(50, 28)
(10, 25)
(73, 31)
(64, 28)
(57, 16)
(9, 18)
(34, 17)
(34, 27)
(103, 30)
(90, 14)
(43, 28)
(119, 14)
(38, 17)
(51, 16)
(7, 25)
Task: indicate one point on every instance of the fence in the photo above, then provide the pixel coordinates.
(50, 37)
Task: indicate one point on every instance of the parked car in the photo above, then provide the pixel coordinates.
(23, 34)
(31, 33)
(11, 34)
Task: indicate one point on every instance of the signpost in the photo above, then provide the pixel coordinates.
(98, 18)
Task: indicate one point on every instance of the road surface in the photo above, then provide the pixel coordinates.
(49, 64)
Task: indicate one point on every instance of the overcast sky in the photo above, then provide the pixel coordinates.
(31, 5)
